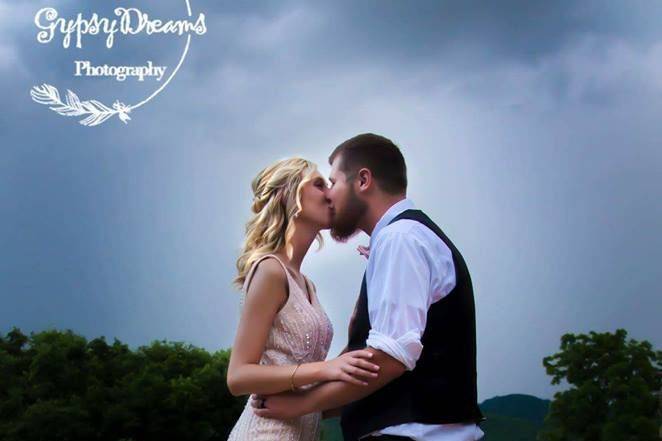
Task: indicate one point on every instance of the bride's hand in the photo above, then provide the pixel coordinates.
(350, 366)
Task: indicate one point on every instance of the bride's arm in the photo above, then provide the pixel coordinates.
(266, 294)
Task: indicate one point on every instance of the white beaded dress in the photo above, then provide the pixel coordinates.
(301, 333)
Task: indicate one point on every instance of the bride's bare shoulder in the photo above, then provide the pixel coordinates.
(269, 267)
(269, 275)
(268, 290)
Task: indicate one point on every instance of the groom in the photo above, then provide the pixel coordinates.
(415, 312)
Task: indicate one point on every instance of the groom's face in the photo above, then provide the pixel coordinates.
(346, 207)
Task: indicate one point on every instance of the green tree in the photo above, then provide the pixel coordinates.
(612, 394)
(56, 385)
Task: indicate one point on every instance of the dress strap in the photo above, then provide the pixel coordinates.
(251, 272)
(309, 283)
(310, 289)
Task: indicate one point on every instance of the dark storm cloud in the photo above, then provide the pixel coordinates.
(465, 33)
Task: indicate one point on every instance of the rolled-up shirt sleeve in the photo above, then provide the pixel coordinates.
(398, 282)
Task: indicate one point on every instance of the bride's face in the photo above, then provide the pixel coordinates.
(315, 207)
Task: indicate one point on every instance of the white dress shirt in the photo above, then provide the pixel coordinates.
(409, 269)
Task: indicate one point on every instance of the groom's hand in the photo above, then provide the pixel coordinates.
(282, 406)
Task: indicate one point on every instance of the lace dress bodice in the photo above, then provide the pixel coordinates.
(301, 333)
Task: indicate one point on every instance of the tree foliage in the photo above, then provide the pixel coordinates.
(613, 389)
(58, 386)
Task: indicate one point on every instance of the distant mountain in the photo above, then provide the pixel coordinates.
(514, 417)
(505, 428)
(522, 406)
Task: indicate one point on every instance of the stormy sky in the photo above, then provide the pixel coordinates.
(531, 131)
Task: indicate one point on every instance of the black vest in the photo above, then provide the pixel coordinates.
(441, 388)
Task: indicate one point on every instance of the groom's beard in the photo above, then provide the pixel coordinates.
(344, 224)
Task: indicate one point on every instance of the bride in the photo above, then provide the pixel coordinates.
(284, 334)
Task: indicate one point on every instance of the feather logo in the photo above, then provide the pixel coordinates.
(96, 112)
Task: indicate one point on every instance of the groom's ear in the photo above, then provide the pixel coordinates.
(364, 179)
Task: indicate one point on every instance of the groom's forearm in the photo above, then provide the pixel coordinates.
(334, 394)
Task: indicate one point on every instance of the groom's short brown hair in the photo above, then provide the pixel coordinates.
(376, 153)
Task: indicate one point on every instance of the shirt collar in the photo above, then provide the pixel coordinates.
(390, 214)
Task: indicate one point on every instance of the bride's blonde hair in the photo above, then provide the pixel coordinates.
(276, 202)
